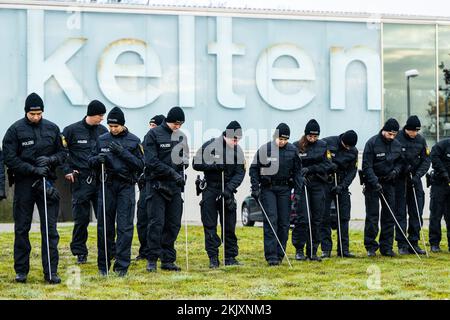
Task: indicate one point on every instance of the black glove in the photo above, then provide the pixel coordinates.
(227, 194)
(179, 180)
(333, 167)
(219, 167)
(41, 171)
(44, 161)
(230, 204)
(52, 193)
(408, 169)
(141, 181)
(116, 148)
(416, 180)
(255, 194)
(392, 175)
(378, 188)
(304, 171)
(337, 189)
(100, 158)
(2, 195)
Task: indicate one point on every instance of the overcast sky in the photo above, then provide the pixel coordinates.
(414, 7)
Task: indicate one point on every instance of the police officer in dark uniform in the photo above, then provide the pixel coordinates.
(221, 156)
(80, 139)
(382, 164)
(32, 149)
(2, 177)
(316, 163)
(417, 163)
(440, 193)
(166, 158)
(142, 219)
(345, 156)
(275, 170)
(123, 157)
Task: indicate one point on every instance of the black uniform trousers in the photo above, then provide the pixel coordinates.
(211, 209)
(119, 206)
(276, 201)
(371, 228)
(332, 220)
(83, 195)
(24, 199)
(164, 223)
(142, 222)
(439, 207)
(406, 212)
(316, 203)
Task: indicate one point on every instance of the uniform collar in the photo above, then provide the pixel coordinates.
(31, 123)
(166, 127)
(86, 125)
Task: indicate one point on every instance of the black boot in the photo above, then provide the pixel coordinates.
(170, 266)
(214, 262)
(232, 262)
(418, 249)
(348, 254)
(151, 266)
(326, 254)
(403, 251)
(121, 273)
(82, 259)
(371, 253)
(300, 255)
(273, 263)
(435, 248)
(54, 279)
(388, 253)
(21, 278)
(314, 257)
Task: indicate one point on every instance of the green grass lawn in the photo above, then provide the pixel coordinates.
(360, 278)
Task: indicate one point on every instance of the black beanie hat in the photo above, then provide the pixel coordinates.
(175, 114)
(283, 131)
(34, 103)
(413, 123)
(116, 116)
(233, 129)
(158, 119)
(349, 138)
(95, 107)
(312, 127)
(391, 125)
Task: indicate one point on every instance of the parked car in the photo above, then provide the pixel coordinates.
(251, 212)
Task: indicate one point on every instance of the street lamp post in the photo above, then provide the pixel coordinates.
(409, 74)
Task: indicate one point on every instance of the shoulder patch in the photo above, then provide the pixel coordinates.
(427, 151)
(64, 141)
(328, 154)
(141, 148)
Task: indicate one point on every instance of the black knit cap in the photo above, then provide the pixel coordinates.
(116, 116)
(158, 119)
(283, 131)
(233, 129)
(312, 127)
(349, 138)
(95, 107)
(34, 103)
(413, 123)
(176, 114)
(391, 125)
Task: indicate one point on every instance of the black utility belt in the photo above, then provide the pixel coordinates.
(283, 182)
(110, 177)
